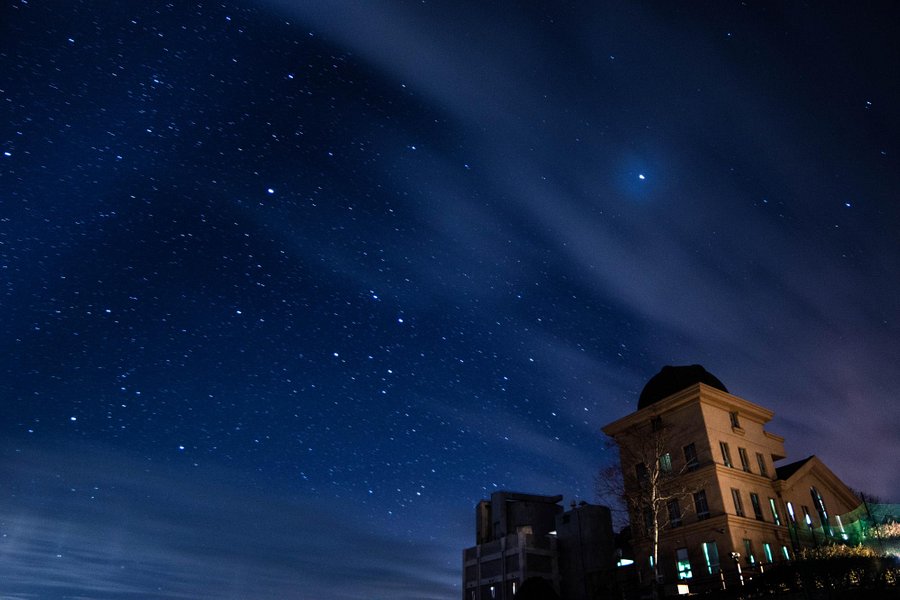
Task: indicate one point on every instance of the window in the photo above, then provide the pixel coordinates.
(690, 457)
(761, 461)
(757, 509)
(726, 454)
(745, 462)
(683, 563)
(665, 463)
(793, 517)
(735, 421)
(514, 588)
(767, 550)
(738, 504)
(775, 516)
(819, 504)
(785, 553)
(674, 513)
(711, 554)
(656, 423)
(806, 516)
(648, 519)
(700, 505)
(640, 470)
(748, 552)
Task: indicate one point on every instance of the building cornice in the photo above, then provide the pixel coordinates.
(699, 392)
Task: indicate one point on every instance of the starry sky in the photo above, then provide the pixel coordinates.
(287, 287)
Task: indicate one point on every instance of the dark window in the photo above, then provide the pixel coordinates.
(757, 508)
(735, 421)
(700, 505)
(726, 454)
(640, 470)
(761, 461)
(648, 520)
(690, 457)
(738, 503)
(674, 513)
(656, 423)
(745, 461)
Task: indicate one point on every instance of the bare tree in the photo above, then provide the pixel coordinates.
(648, 485)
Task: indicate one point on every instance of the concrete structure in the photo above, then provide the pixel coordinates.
(718, 460)
(520, 536)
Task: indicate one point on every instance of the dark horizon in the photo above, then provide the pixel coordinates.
(291, 286)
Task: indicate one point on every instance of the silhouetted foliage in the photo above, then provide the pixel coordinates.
(536, 588)
(833, 575)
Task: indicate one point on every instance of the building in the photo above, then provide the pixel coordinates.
(521, 536)
(727, 510)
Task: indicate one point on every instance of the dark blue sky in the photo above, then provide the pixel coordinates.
(288, 286)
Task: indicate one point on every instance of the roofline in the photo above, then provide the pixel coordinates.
(706, 394)
(814, 463)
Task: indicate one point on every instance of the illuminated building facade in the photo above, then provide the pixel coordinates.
(735, 508)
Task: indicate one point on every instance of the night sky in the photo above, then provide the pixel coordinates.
(287, 287)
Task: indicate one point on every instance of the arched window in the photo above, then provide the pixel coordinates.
(819, 505)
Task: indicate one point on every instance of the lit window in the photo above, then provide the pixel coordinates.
(819, 505)
(700, 505)
(785, 553)
(711, 554)
(690, 457)
(806, 516)
(761, 461)
(514, 588)
(745, 462)
(735, 421)
(757, 508)
(493, 592)
(726, 454)
(665, 463)
(748, 552)
(738, 503)
(767, 550)
(683, 563)
(775, 516)
(793, 517)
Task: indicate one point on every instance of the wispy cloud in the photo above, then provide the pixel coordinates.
(98, 524)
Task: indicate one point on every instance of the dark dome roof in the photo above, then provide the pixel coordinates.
(674, 379)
